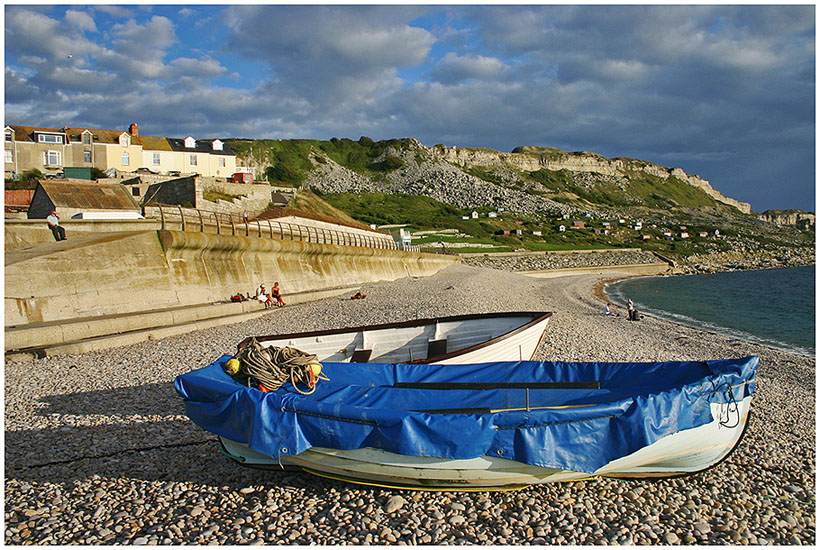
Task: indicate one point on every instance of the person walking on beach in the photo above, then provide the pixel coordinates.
(54, 224)
(631, 310)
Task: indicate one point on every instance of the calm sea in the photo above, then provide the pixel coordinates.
(774, 307)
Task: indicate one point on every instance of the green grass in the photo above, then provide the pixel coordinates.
(288, 160)
(642, 188)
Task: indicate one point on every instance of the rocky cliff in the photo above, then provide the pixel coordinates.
(790, 218)
(526, 180)
(531, 159)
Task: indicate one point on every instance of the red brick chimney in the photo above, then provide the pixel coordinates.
(134, 129)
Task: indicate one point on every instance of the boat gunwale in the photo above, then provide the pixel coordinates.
(540, 316)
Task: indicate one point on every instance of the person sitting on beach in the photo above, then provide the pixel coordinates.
(608, 311)
(358, 296)
(263, 296)
(276, 297)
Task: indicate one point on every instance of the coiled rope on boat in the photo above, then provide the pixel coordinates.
(270, 367)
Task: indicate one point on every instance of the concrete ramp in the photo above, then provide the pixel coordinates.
(115, 273)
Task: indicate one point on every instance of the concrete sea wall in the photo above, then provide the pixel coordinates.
(115, 273)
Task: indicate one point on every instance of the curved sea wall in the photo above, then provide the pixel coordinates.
(93, 275)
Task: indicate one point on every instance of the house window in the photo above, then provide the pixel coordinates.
(156, 159)
(125, 141)
(8, 136)
(87, 139)
(45, 138)
(52, 158)
(9, 156)
(125, 159)
(192, 160)
(135, 191)
(86, 156)
(221, 162)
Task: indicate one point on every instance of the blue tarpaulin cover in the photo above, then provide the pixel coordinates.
(571, 428)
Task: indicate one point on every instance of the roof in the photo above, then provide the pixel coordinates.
(89, 195)
(149, 143)
(26, 133)
(202, 146)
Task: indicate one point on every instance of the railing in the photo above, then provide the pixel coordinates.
(221, 223)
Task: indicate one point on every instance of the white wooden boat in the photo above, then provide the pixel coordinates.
(476, 338)
(418, 426)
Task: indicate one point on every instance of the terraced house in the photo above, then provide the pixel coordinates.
(51, 150)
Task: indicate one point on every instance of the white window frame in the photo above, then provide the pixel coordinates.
(221, 162)
(56, 156)
(87, 139)
(192, 160)
(155, 159)
(8, 136)
(86, 156)
(125, 141)
(126, 158)
(50, 138)
(9, 155)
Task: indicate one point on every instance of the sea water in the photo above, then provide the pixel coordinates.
(774, 307)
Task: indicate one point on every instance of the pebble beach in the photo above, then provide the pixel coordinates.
(98, 449)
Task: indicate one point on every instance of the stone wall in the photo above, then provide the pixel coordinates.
(148, 270)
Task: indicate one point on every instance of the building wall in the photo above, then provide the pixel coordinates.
(29, 155)
(114, 157)
(216, 170)
(169, 161)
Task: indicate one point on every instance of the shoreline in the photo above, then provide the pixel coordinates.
(99, 450)
(724, 332)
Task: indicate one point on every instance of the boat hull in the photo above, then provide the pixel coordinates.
(476, 338)
(682, 453)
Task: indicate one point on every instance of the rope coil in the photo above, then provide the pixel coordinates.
(270, 367)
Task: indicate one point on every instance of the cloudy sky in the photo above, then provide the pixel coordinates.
(725, 92)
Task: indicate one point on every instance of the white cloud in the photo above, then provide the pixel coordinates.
(203, 68)
(81, 20)
(144, 41)
(454, 68)
(114, 11)
(330, 54)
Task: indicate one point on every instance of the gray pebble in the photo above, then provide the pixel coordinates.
(135, 470)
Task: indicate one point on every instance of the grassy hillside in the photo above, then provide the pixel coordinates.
(307, 201)
(288, 161)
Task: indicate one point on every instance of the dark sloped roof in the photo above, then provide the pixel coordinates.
(89, 195)
(202, 146)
